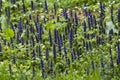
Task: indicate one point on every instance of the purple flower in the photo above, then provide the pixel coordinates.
(42, 68)
(38, 50)
(89, 24)
(37, 40)
(32, 41)
(76, 19)
(32, 5)
(54, 52)
(118, 15)
(71, 38)
(84, 26)
(111, 58)
(59, 44)
(40, 31)
(45, 6)
(20, 26)
(47, 54)
(90, 45)
(51, 66)
(71, 13)
(50, 38)
(55, 36)
(65, 13)
(94, 21)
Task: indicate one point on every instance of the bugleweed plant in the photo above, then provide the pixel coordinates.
(59, 40)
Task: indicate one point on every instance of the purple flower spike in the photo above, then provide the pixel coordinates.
(42, 68)
(33, 55)
(20, 26)
(50, 38)
(55, 36)
(84, 26)
(54, 52)
(47, 54)
(51, 66)
(111, 58)
(76, 19)
(39, 52)
(65, 13)
(45, 6)
(71, 38)
(118, 15)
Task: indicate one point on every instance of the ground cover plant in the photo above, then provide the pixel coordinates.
(59, 39)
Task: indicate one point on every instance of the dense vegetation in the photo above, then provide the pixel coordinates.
(59, 39)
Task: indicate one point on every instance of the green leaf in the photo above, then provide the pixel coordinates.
(9, 33)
